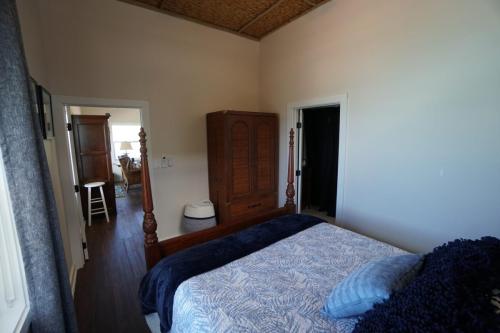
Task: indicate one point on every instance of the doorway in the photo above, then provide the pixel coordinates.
(106, 146)
(115, 249)
(318, 136)
(66, 164)
(294, 120)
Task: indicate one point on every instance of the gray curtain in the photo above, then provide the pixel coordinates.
(29, 183)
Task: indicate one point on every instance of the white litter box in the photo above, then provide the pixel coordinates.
(198, 216)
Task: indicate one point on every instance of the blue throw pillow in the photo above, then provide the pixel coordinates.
(372, 283)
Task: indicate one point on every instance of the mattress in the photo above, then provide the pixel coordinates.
(281, 288)
(158, 287)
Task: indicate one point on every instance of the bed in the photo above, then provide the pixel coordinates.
(281, 288)
(273, 274)
(283, 284)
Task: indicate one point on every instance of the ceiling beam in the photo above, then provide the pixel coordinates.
(310, 3)
(159, 7)
(256, 18)
(187, 18)
(296, 17)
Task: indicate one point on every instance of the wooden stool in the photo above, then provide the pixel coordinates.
(99, 210)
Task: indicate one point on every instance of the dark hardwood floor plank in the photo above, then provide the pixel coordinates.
(106, 288)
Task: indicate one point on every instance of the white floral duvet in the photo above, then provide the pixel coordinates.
(281, 288)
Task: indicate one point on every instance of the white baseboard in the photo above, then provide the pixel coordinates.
(72, 279)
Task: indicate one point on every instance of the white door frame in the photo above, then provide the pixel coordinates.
(74, 179)
(73, 212)
(292, 119)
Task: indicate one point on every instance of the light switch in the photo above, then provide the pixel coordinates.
(163, 162)
(166, 161)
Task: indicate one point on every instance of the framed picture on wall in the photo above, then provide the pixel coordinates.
(45, 110)
(34, 99)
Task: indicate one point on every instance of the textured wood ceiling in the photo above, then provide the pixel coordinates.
(249, 18)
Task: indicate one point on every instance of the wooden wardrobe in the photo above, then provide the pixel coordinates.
(93, 157)
(242, 163)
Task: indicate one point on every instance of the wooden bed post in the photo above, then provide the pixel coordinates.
(151, 246)
(290, 189)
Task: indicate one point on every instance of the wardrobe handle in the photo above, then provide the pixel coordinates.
(255, 205)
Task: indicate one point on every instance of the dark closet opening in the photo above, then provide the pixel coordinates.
(320, 151)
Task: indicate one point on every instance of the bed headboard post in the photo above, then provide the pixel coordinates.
(151, 247)
(290, 189)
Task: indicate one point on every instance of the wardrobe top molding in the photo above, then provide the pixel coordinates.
(245, 113)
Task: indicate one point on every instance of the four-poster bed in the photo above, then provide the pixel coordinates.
(273, 273)
(234, 277)
(155, 250)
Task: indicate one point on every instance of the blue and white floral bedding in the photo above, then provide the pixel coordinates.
(280, 288)
(157, 288)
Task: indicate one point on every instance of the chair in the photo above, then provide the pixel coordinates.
(131, 175)
(102, 199)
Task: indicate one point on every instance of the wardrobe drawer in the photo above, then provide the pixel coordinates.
(252, 205)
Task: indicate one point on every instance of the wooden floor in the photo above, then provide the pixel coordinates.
(106, 288)
(320, 214)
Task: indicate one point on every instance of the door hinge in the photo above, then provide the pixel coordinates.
(298, 173)
(77, 188)
(69, 126)
(299, 125)
(85, 251)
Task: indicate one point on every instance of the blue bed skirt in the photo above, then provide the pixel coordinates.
(158, 287)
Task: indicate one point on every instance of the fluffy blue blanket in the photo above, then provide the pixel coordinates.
(451, 293)
(158, 287)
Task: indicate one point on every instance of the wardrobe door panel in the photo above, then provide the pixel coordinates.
(265, 154)
(239, 128)
(216, 162)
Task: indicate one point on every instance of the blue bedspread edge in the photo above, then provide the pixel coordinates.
(157, 288)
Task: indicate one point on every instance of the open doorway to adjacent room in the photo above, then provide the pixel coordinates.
(318, 135)
(101, 145)
(105, 143)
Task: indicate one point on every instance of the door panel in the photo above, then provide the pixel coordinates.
(92, 134)
(240, 158)
(93, 157)
(265, 154)
(94, 167)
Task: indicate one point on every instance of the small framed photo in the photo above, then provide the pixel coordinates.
(34, 99)
(45, 110)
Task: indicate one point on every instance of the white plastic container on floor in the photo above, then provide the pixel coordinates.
(198, 216)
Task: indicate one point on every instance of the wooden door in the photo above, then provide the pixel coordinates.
(93, 157)
(265, 154)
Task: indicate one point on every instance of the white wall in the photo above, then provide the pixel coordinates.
(123, 116)
(31, 27)
(31, 30)
(423, 80)
(112, 50)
